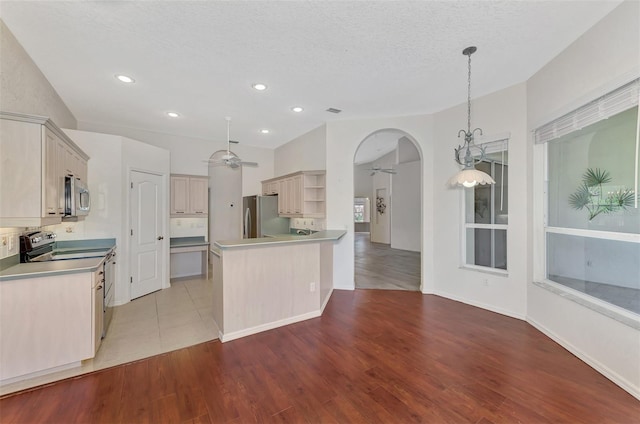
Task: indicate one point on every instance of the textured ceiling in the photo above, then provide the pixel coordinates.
(368, 58)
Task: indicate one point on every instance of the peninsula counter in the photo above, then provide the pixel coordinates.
(265, 283)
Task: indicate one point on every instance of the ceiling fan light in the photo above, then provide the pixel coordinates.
(470, 177)
(259, 86)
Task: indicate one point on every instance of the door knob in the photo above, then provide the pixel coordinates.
(160, 238)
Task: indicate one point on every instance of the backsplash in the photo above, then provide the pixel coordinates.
(188, 227)
(315, 224)
(9, 242)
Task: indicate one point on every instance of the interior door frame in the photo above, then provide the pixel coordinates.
(164, 217)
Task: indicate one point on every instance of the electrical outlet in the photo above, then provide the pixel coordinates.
(312, 287)
(12, 240)
(485, 282)
(4, 240)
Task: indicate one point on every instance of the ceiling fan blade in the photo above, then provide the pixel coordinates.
(248, 163)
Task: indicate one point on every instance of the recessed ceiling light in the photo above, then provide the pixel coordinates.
(297, 109)
(265, 131)
(125, 78)
(173, 114)
(259, 86)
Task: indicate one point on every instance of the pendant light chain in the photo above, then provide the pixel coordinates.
(469, 96)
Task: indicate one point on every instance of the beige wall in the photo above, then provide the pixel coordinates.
(24, 88)
(497, 113)
(305, 153)
(606, 56)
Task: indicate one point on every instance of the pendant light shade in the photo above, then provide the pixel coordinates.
(469, 176)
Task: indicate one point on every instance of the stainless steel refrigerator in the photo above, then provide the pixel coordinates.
(260, 217)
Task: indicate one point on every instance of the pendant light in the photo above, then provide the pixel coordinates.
(469, 176)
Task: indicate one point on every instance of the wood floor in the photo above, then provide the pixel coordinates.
(378, 266)
(374, 356)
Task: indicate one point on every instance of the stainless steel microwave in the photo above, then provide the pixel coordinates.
(77, 199)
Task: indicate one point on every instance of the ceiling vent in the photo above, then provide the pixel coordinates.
(333, 110)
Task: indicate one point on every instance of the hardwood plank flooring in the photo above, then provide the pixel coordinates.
(378, 266)
(373, 357)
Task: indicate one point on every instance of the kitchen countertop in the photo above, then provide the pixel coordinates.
(326, 235)
(51, 268)
(187, 242)
(69, 266)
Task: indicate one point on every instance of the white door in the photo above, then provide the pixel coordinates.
(147, 198)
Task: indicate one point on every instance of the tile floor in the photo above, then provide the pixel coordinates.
(163, 321)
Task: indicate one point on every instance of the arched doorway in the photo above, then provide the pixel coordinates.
(388, 212)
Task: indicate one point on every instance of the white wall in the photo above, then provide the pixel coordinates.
(381, 184)
(343, 139)
(406, 233)
(605, 56)
(504, 111)
(188, 154)
(24, 88)
(304, 153)
(362, 181)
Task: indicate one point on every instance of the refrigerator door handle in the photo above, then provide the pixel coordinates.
(247, 223)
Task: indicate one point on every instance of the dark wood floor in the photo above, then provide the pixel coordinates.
(378, 266)
(374, 356)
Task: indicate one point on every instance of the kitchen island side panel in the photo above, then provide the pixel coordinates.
(269, 286)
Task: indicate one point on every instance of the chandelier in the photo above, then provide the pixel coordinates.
(468, 154)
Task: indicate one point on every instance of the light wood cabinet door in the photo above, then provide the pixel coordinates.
(189, 195)
(296, 195)
(198, 195)
(98, 308)
(50, 200)
(179, 195)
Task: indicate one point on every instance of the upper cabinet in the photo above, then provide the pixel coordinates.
(36, 155)
(300, 195)
(189, 195)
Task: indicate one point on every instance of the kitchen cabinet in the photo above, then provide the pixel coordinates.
(97, 294)
(49, 322)
(189, 195)
(300, 195)
(270, 188)
(35, 160)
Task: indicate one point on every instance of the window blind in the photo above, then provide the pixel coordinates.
(610, 104)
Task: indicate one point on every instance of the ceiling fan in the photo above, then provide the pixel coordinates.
(380, 169)
(227, 157)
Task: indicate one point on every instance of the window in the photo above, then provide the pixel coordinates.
(486, 212)
(592, 225)
(358, 212)
(361, 210)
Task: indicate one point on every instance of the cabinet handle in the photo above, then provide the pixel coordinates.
(98, 288)
(199, 212)
(160, 238)
(179, 212)
(101, 272)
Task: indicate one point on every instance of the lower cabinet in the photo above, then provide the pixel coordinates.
(48, 323)
(97, 292)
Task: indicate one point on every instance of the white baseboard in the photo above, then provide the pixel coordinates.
(488, 307)
(268, 326)
(596, 365)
